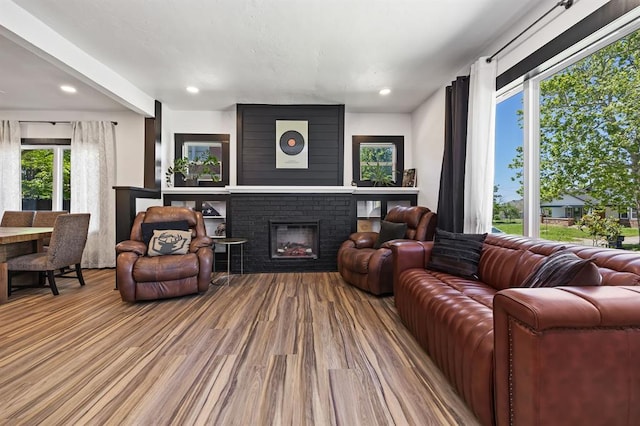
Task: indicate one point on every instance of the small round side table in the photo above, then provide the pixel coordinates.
(229, 242)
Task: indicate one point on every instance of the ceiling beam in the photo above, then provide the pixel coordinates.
(29, 32)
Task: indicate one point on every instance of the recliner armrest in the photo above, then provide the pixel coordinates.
(137, 247)
(199, 242)
(364, 239)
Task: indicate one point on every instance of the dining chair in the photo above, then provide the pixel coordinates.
(17, 218)
(67, 244)
(46, 219)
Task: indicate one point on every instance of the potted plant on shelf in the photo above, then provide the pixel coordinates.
(192, 170)
(209, 166)
(379, 175)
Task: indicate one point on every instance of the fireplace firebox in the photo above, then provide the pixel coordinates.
(293, 239)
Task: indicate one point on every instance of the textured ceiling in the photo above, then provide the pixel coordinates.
(270, 51)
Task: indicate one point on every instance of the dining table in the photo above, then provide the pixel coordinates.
(17, 241)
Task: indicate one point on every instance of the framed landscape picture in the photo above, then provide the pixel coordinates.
(409, 178)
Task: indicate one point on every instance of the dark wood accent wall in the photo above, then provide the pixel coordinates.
(256, 134)
(153, 149)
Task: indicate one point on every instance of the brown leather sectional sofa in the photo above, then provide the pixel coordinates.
(529, 356)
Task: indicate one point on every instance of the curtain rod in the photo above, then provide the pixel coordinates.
(565, 3)
(53, 123)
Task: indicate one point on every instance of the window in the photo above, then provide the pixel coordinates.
(46, 174)
(200, 155)
(378, 160)
(507, 188)
(580, 161)
(200, 149)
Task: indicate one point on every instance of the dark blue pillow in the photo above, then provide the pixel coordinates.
(148, 228)
(457, 254)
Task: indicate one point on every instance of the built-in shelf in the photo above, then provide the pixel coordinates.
(256, 189)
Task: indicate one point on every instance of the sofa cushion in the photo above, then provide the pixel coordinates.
(169, 241)
(390, 231)
(456, 254)
(564, 268)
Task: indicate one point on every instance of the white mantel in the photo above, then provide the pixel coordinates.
(257, 189)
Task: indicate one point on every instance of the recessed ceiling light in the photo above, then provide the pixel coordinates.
(68, 89)
(384, 92)
(192, 89)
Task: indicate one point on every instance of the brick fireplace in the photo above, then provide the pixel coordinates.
(253, 215)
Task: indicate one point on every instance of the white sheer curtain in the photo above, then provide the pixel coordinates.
(478, 181)
(10, 195)
(92, 181)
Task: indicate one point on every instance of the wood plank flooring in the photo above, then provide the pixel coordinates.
(270, 349)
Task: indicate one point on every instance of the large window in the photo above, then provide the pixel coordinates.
(46, 174)
(578, 169)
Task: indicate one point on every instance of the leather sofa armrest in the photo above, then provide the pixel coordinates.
(137, 247)
(567, 355)
(409, 254)
(363, 239)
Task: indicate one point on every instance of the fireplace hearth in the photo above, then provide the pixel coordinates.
(293, 239)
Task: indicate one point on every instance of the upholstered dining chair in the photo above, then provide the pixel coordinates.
(17, 218)
(67, 244)
(46, 219)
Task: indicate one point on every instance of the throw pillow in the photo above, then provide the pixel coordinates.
(169, 241)
(148, 228)
(564, 268)
(457, 254)
(390, 231)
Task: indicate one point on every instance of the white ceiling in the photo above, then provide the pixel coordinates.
(252, 51)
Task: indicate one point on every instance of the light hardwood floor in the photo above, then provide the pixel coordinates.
(270, 349)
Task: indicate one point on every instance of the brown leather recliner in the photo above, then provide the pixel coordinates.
(371, 269)
(140, 277)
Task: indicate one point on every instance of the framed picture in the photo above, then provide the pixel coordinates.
(409, 178)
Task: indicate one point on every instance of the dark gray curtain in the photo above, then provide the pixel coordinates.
(451, 197)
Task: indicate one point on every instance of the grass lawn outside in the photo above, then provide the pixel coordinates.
(558, 232)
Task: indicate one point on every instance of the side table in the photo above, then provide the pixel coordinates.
(229, 242)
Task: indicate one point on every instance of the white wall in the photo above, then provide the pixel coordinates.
(198, 122)
(376, 125)
(428, 137)
(129, 136)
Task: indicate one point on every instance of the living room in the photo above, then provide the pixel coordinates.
(45, 38)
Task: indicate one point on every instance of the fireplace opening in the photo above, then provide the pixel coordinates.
(293, 239)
